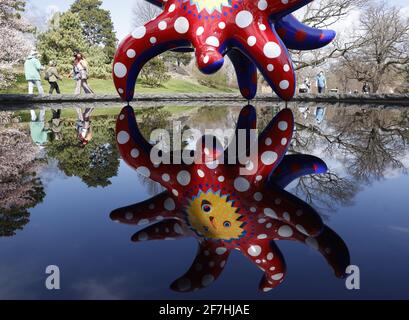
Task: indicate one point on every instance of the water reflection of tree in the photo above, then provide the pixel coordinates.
(96, 163)
(20, 189)
(368, 142)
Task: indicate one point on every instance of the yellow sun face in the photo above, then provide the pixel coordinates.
(210, 5)
(213, 216)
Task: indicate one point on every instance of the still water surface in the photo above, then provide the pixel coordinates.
(56, 197)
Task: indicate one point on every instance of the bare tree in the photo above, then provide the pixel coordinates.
(326, 14)
(383, 45)
(144, 12)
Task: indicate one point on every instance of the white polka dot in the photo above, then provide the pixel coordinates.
(312, 243)
(270, 213)
(139, 32)
(284, 85)
(222, 25)
(283, 126)
(251, 41)
(160, 218)
(221, 179)
(244, 19)
(172, 8)
(153, 40)
(222, 264)
(129, 216)
(200, 173)
(177, 228)
(253, 210)
(121, 117)
(272, 50)
(221, 251)
(301, 229)
(270, 256)
(285, 232)
(135, 153)
(144, 171)
(286, 68)
(166, 177)
(277, 277)
(284, 141)
(199, 31)
(121, 91)
(175, 193)
(123, 137)
(213, 165)
(143, 236)
(169, 204)
(206, 59)
(287, 216)
(184, 284)
(259, 178)
(270, 68)
(262, 5)
(267, 289)
(212, 41)
(269, 225)
(120, 70)
(181, 25)
(258, 261)
(262, 27)
(162, 25)
(184, 178)
(254, 251)
(284, 1)
(262, 221)
(258, 196)
(262, 237)
(269, 142)
(269, 157)
(241, 184)
(131, 53)
(207, 280)
(143, 222)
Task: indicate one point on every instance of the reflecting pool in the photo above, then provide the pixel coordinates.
(61, 176)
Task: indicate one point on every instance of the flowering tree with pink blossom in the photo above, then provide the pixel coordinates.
(14, 42)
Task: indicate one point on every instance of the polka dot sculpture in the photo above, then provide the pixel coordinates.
(254, 34)
(225, 210)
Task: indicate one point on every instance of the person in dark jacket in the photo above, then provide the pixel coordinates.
(52, 76)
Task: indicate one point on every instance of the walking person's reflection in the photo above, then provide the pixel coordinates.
(56, 125)
(84, 129)
(38, 130)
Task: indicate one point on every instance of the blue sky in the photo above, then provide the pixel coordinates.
(121, 11)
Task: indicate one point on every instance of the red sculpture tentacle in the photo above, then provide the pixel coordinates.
(155, 209)
(263, 45)
(165, 230)
(267, 256)
(282, 205)
(210, 261)
(143, 44)
(136, 152)
(281, 8)
(328, 244)
(272, 146)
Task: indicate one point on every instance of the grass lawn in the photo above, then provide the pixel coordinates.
(107, 87)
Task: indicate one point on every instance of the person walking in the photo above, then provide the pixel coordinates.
(80, 74)
(52, 76)
(366, 89)
(321, 82)
(32, 69)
